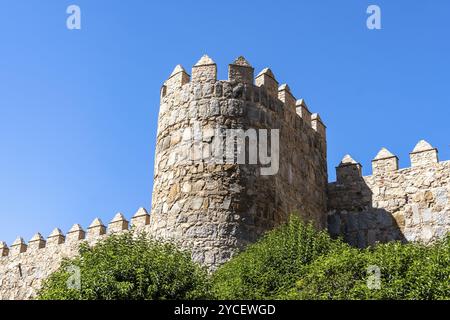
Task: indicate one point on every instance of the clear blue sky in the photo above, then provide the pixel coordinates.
(78, 109)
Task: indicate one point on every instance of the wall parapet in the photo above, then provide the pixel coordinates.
(241, 83)
(76, 234)
(23, 266)
(384, 162)
(407, 204)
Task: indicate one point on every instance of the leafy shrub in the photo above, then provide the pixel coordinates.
(298, 262)
(270, 267)
(294, 261)
(407, 271)
(127, 267)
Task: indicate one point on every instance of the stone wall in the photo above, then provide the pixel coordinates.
(23, 266)
(215, 207)
(410, 204)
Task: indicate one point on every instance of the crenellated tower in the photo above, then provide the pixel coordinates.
(215, 206)
(234, 158)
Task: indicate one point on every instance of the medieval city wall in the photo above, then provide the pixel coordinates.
(23, 266)
(215, 203)
(410, 204)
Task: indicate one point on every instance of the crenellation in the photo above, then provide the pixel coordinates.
(177, 79)
(19, 246)
(56, 237)
(76, 233)
(318, 126)
(36, 242)
(30, 264)
(303, 111)
(285, 95)
(4, 250)
(423, 154)
(140, 219)
(266, 79)
(205, 70)
(384, 162)
(348, 170)
(241, 71)
(95, 229)
(118, 224)
(409, 204)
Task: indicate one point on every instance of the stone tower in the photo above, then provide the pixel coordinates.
(233, 159)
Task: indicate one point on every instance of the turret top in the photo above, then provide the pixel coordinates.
(204, 61)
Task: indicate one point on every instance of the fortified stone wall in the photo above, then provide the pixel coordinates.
(23, 266)
(410, 204)
(215, 207)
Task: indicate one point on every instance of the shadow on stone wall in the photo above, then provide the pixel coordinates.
(352, 216)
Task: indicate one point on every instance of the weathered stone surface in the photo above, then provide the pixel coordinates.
(423, 154)
(409, 204)
(118, 224)
(205, 70)
(266, 79)
(195, 202)
(215, 208)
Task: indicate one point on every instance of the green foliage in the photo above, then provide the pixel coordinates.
(127, 267)
(268, 268)
(407, 271)
(297, 262)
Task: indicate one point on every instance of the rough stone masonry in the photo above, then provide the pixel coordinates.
(215, 207)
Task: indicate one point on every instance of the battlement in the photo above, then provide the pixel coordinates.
(95, 231)
(23, 265)
(241, 83)
(422, 156)
(408, 204)
(214, 208)
(233, 203)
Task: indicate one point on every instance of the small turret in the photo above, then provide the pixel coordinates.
(177, 79)
(205, 70)
(285, 95)
(4, 250)
(303, 111)
(18, 246)
(384, 162)
(75, 233)
(241, 71)
(118, 223)
(348, 171)
(36, 242)
(423, 154)
(96, 229)
(140, 219)
(318, 126)
(267, 80)
(56, 237)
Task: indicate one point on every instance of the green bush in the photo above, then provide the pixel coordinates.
(407, 271)
(297, 262)
(270, 267)
(294, 261)
(127, 267)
